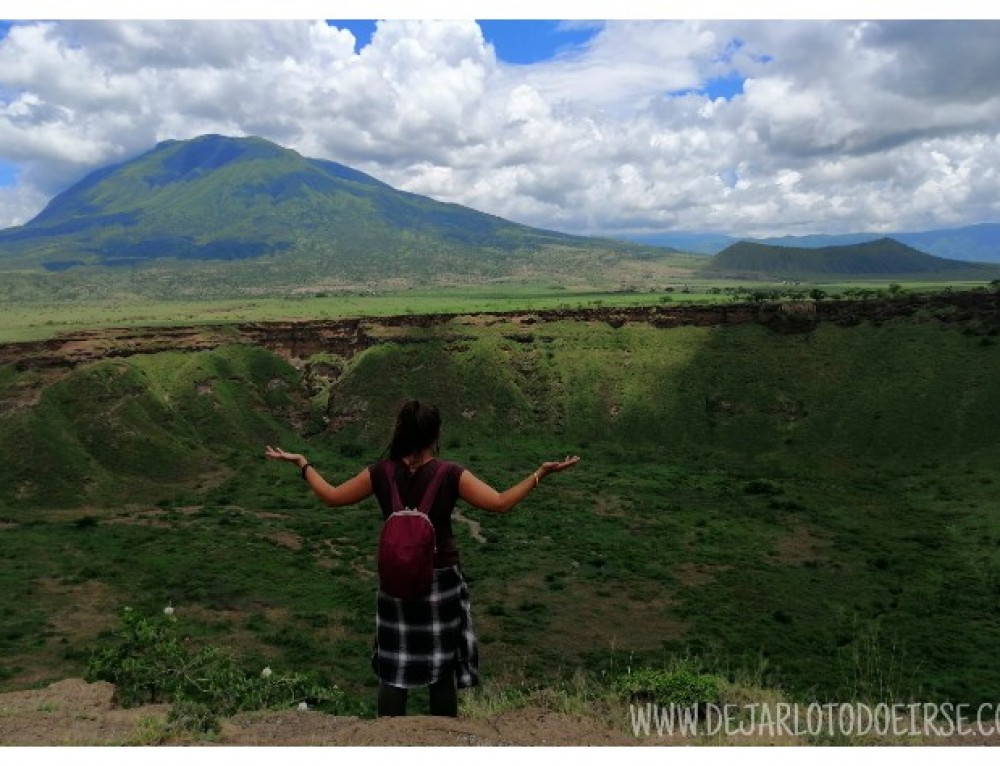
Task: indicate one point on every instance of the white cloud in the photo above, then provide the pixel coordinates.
(18, 205)
(841, 126)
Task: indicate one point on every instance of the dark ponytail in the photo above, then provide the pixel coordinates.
(418, 427)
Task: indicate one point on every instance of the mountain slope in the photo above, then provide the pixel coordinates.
(883, 257)
(218, 198)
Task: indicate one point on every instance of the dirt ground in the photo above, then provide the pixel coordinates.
(76, 713)
(73, 712)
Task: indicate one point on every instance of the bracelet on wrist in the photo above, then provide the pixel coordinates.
(535, 474)
(307, 465)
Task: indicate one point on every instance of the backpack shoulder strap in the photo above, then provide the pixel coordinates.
(431, 492)
(396, 502)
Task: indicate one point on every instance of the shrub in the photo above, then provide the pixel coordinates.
(193, 717)
(150, 663)
(145, 663)
(679, 687)
(761, 487)
(352, 450)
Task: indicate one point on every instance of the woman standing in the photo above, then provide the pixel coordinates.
(427, 641)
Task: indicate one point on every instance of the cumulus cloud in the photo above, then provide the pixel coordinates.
(840, 126)
(18, 205)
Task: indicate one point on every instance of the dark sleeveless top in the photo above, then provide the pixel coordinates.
(411, 490)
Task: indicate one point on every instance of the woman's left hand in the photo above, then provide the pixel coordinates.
(280, 454)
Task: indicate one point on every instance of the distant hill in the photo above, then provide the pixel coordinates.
(980, 242)
(882, 258)
(970, 243)
(695, 243)
(814, 241)
(215, 198)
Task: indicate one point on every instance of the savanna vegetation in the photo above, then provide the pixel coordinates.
(815, 510)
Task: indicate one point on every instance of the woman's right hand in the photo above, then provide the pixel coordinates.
(555, 466)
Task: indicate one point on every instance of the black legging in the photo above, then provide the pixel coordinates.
(444, 697)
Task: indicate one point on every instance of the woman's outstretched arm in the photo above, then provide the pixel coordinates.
(354, 490)
(480, 494)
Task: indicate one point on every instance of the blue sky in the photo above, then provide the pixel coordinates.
(617, 127)
(8, 173)
(528, 42)
(515, 41)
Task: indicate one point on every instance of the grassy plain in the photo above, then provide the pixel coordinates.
(22, 321)
(27, 318)
(817, 509)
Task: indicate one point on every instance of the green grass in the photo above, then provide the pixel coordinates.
(822, 504)
(34, 314)
(27, 321)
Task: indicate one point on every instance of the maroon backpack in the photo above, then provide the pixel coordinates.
(408, 543)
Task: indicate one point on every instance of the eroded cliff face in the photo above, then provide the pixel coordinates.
(299, 340)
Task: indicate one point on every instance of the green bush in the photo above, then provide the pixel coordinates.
(663, 687)
(761, 487)
(150, 663)
(144, 665)
(194, 717)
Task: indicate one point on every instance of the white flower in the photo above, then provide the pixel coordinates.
(169, 611)
(303, 706)
(265, 673)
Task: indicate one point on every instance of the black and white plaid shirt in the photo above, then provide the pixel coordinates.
(417, 640)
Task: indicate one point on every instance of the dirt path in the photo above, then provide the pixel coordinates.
(475, 528)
